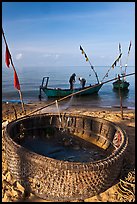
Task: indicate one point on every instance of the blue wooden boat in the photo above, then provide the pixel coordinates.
(11, 101)
(121, 84)
(63, 92)
(60, 92)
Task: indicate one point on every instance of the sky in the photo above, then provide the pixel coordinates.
(50, 33)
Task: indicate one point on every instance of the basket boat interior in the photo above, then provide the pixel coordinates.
(66, 138)
(64, 157)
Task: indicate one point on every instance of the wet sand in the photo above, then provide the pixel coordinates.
(12, 191)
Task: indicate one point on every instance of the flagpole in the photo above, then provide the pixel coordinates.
(112, 66)
(20, 93)
(94, 71)
(127, 58)
(106, 73)
(120, 58)
(87, 59)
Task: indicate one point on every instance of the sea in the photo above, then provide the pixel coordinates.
(30, 79)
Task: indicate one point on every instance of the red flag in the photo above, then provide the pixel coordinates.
(7, 57)
(16, 81)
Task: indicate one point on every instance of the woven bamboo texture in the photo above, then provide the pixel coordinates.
(59, 180)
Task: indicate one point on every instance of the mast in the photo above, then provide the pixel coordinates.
(120, 58)
(127, 58)
(120, 51)
(112, 66)
(87, 59)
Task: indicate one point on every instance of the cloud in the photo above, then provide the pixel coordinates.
(54, 56)
(57, 56)
(19, 56)
(47, 55)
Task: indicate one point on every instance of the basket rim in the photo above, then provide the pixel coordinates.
(80, 165)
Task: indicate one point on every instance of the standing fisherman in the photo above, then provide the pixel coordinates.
(72, 81)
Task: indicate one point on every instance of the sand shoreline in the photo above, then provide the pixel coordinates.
(10, 193)
(30, 107)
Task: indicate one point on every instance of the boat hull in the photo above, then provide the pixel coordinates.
(57, 92)
(122, 84)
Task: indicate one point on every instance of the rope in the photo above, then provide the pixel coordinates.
(126, 188)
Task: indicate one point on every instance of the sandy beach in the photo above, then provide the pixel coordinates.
(12, 191)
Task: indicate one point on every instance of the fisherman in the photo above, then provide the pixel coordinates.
(118, 77)
(82, 81)
(72, 81)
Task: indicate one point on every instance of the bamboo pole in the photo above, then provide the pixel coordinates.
(120, 96)
(94, 71)
(111, 66)
(20, 93)
(127, 57)
(83, 52)
(15, 113)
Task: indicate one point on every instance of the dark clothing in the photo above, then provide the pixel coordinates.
(82, 81)
(118, 77)
(72, 81)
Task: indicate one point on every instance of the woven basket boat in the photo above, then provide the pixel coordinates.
(61, 180)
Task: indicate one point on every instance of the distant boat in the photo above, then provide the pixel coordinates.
(60, 92)
(11, 101)
(122, 84)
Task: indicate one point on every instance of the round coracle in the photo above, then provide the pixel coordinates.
(52, 178)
